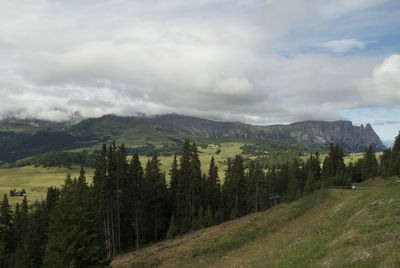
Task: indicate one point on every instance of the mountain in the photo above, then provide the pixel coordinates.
(74, 119)
(351, 138)
(28, 122)
(20, 138)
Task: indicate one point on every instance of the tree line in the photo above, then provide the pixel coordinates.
(59, 159)
(128, 206)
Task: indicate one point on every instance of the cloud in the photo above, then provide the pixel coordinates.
(382, 87)
(343, 45)
(280, 16)
(226, 60)
(336, 8)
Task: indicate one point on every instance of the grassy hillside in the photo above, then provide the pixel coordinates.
(35, 180)
(329, 228)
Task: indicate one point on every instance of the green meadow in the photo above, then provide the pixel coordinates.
(36, 180)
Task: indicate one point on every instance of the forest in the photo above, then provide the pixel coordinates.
(130, 205)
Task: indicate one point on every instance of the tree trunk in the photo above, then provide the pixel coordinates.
(106, 234)
(118, 227)
(113, 232)
(256, 208)
(137, 229)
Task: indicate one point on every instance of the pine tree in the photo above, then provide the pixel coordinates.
(74, 239)
(208, 218)
(135, 174)
(369, 168)
(226, 193)
(334, 169)
(173, 189)
(395, 157)
(196, 182)
(213, 192)
(184, 190)
(294, 186)
(237, 195)
(156, 200)
(313, 171)
(6, 231)
(386, 163)
(189, 187)
(219, 216)
(199, 220)
(20, 220)
(172, 231)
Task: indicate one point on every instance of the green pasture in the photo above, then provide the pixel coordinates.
(35, 180)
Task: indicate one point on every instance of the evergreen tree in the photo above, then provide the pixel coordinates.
(156, 200)
(226, 193)
(134, 194)
(173, 189)
(334, 169)
(370, 166)
(213, 188)
(294, 184)
(74, 236)
(172, 231)
(184, 193)
(395, 157)
(208, 218)
(386, 163)
(37, 229)
(6, 231)
(189, 187)
(199, 221)
(238, 189)
(313, 170)
(256, 186)
(20, 222)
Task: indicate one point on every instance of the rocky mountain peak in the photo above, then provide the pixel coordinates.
(75, 118)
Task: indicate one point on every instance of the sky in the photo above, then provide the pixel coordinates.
(255, 61)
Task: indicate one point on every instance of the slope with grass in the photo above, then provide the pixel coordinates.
(329, 228)
(23, 138)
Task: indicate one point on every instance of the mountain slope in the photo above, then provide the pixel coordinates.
(23, 138)
(351, 138)
(329, 228)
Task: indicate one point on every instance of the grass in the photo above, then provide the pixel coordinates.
(227, 149)
(35, 180)
(329, 228)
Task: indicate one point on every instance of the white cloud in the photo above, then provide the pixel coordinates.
(234, 86)
(343, 45)
(283, 15)
(382, 88)
(336, 8)
(221, 60)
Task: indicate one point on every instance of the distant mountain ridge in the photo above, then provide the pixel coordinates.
(352, 138)
(21, 138)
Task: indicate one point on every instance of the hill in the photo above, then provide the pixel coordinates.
(24, 138)
(329, 228)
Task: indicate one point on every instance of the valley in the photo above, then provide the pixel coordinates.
(36, 179)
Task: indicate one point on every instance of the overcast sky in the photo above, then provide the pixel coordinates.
(255, 61)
